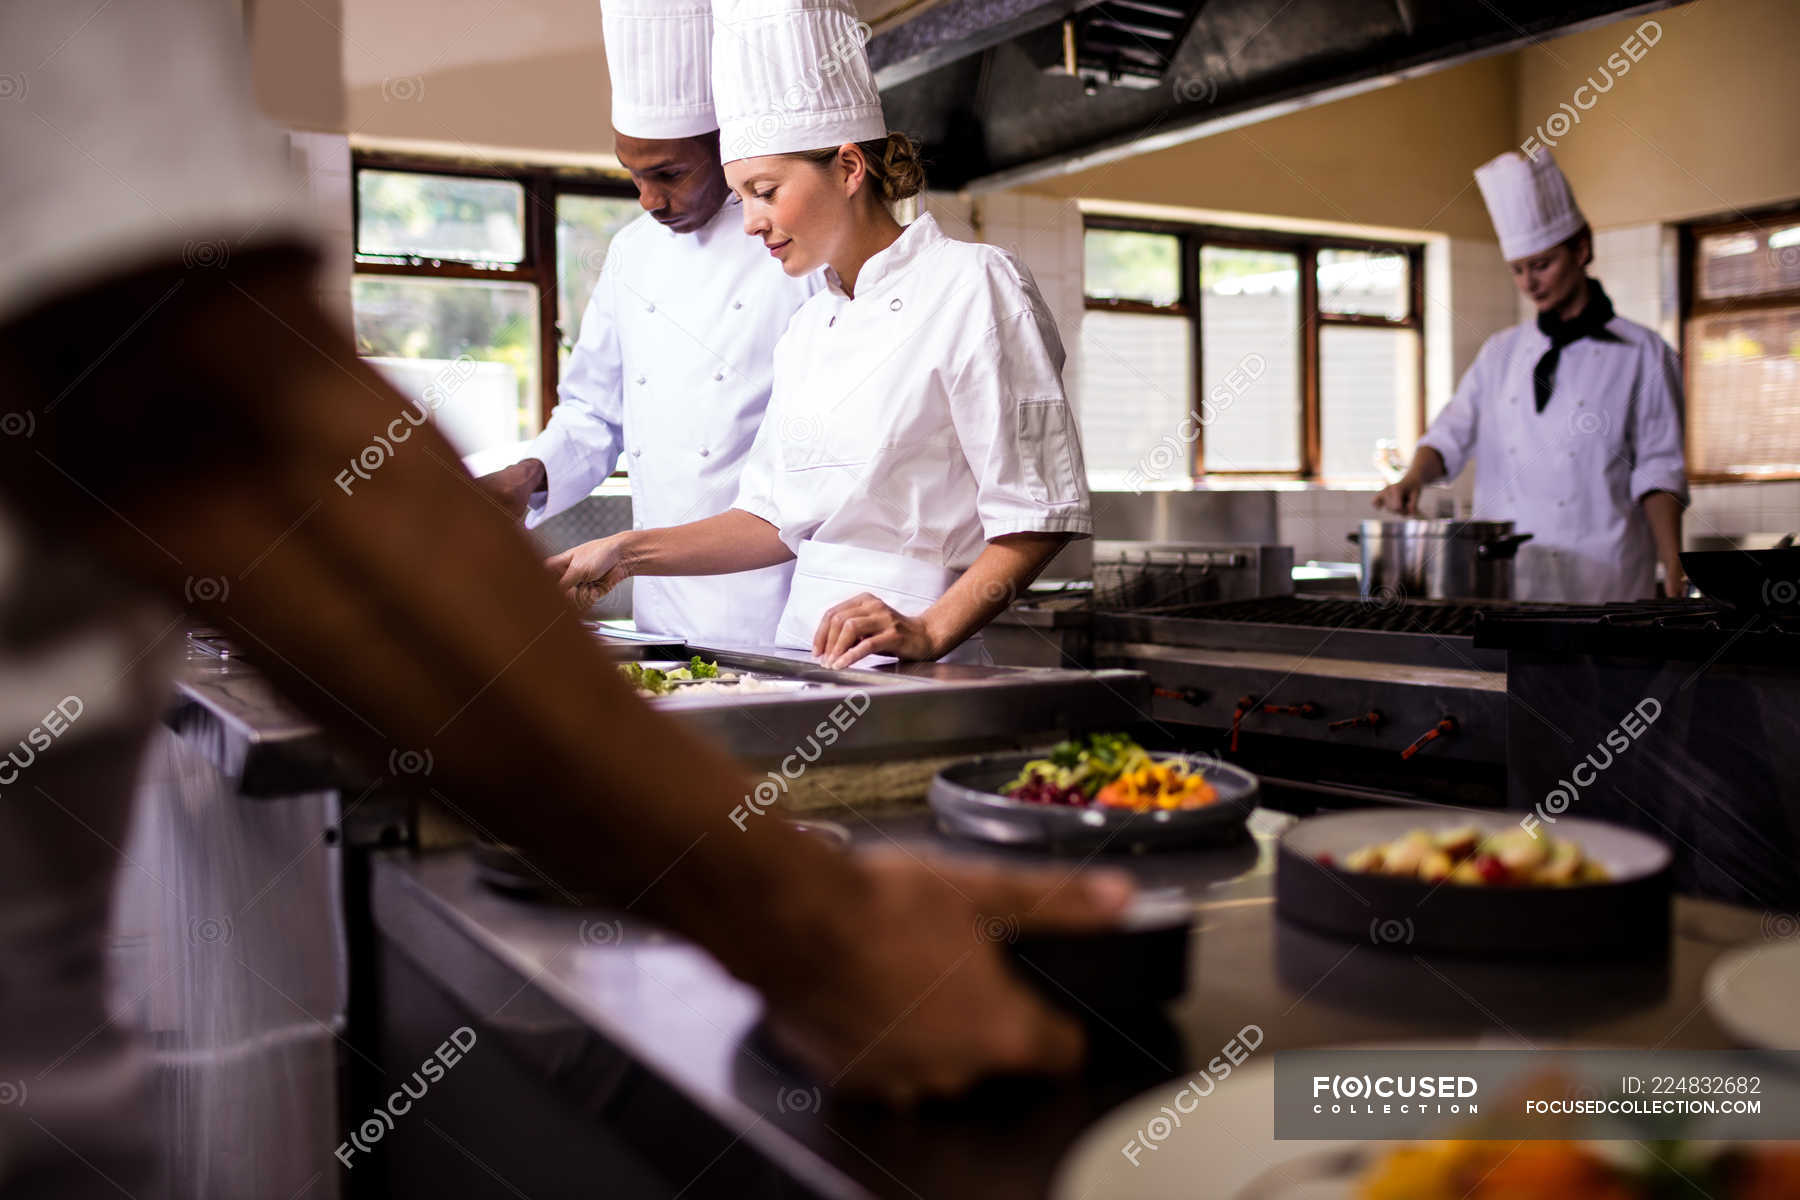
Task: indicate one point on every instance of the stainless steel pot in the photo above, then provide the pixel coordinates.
(1421, 559)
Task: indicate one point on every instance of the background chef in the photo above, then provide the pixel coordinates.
(919, 459)
(1573, 420)
(673, 363)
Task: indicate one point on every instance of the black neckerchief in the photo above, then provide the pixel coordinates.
(1589, 322)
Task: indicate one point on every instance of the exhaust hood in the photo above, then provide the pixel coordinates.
(1004, 91)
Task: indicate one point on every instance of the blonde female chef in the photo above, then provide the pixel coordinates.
(919, 458)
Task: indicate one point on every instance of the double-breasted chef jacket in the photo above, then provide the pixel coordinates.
(1573, 476)
(912, 424)
(671, 375)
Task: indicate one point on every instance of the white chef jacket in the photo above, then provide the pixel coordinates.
(673, 369)
(920, 419)
(130, 139)
(1572, 476)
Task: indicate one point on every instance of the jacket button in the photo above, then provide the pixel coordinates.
(649, 308)
(637, 453)
(704, 452)
(894, 304)
(641, 379)
(718, 375)
(737, 304)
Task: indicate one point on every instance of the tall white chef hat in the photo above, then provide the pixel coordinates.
(792, 75)
(659, 54)
(1530, 203)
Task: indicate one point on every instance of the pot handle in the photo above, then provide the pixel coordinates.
(1502, 547)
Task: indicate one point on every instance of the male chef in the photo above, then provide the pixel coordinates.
(672, 368)
(1573, 420)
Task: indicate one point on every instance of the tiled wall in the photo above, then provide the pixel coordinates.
(1317, 522)
(323, 162)
(1045, 232)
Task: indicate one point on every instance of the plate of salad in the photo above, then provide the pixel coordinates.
(1101, 792)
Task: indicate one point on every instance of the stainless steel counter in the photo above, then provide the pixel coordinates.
(229, 712)
(638, 1058)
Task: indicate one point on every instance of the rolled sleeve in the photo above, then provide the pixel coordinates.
(1018, 431)
(1452, 434)
(582, 441)
(1659, 463)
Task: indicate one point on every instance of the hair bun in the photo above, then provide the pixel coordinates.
(902, 170)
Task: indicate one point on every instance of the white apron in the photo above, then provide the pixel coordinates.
(826, 574)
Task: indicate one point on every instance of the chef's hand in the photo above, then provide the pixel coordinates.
(1674, 585)
(512, 486)
(910, 995)
(590, 570)
(863, 625)
(1401, 497)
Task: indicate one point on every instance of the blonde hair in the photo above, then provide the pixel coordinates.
(893, 165)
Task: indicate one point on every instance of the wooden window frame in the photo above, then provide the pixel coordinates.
(1691, 306)
(1305, 247)
(542, 187)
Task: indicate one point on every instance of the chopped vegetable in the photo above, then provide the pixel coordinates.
(1466, 856)
(654, 681)
(645, 679)
(1109, 770)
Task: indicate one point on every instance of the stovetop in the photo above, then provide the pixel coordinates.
(1440, 617)
(1423, 633)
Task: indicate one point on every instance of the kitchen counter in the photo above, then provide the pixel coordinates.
(606, 1046)
(229, 711)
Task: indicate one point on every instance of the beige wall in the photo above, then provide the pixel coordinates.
(557, 104)
(1401, 156)
(297, 62)
(1706, 121)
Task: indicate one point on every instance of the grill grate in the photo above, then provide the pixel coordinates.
(1446, 618)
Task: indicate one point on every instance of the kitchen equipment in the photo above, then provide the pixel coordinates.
(1320, 696)
(1627, 916)
(967, 800)
(1674, 717)
(1139, 964)
(1146, 575)
(1434, 559)
(1752, 581)
(506, 869)
(1210, 516)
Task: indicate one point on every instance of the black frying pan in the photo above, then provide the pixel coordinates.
(1757, 581)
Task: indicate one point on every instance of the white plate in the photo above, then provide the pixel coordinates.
(1751, 993)
(1227, 1142)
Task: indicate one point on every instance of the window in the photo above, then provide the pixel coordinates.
(474, 280)
(1209, 351)
(1741, 346)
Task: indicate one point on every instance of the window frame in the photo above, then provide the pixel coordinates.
(1691, 307)
(1193, 237)
(542, 187)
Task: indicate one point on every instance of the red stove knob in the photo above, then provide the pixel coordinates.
(1446, 726)
(1373, 719)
